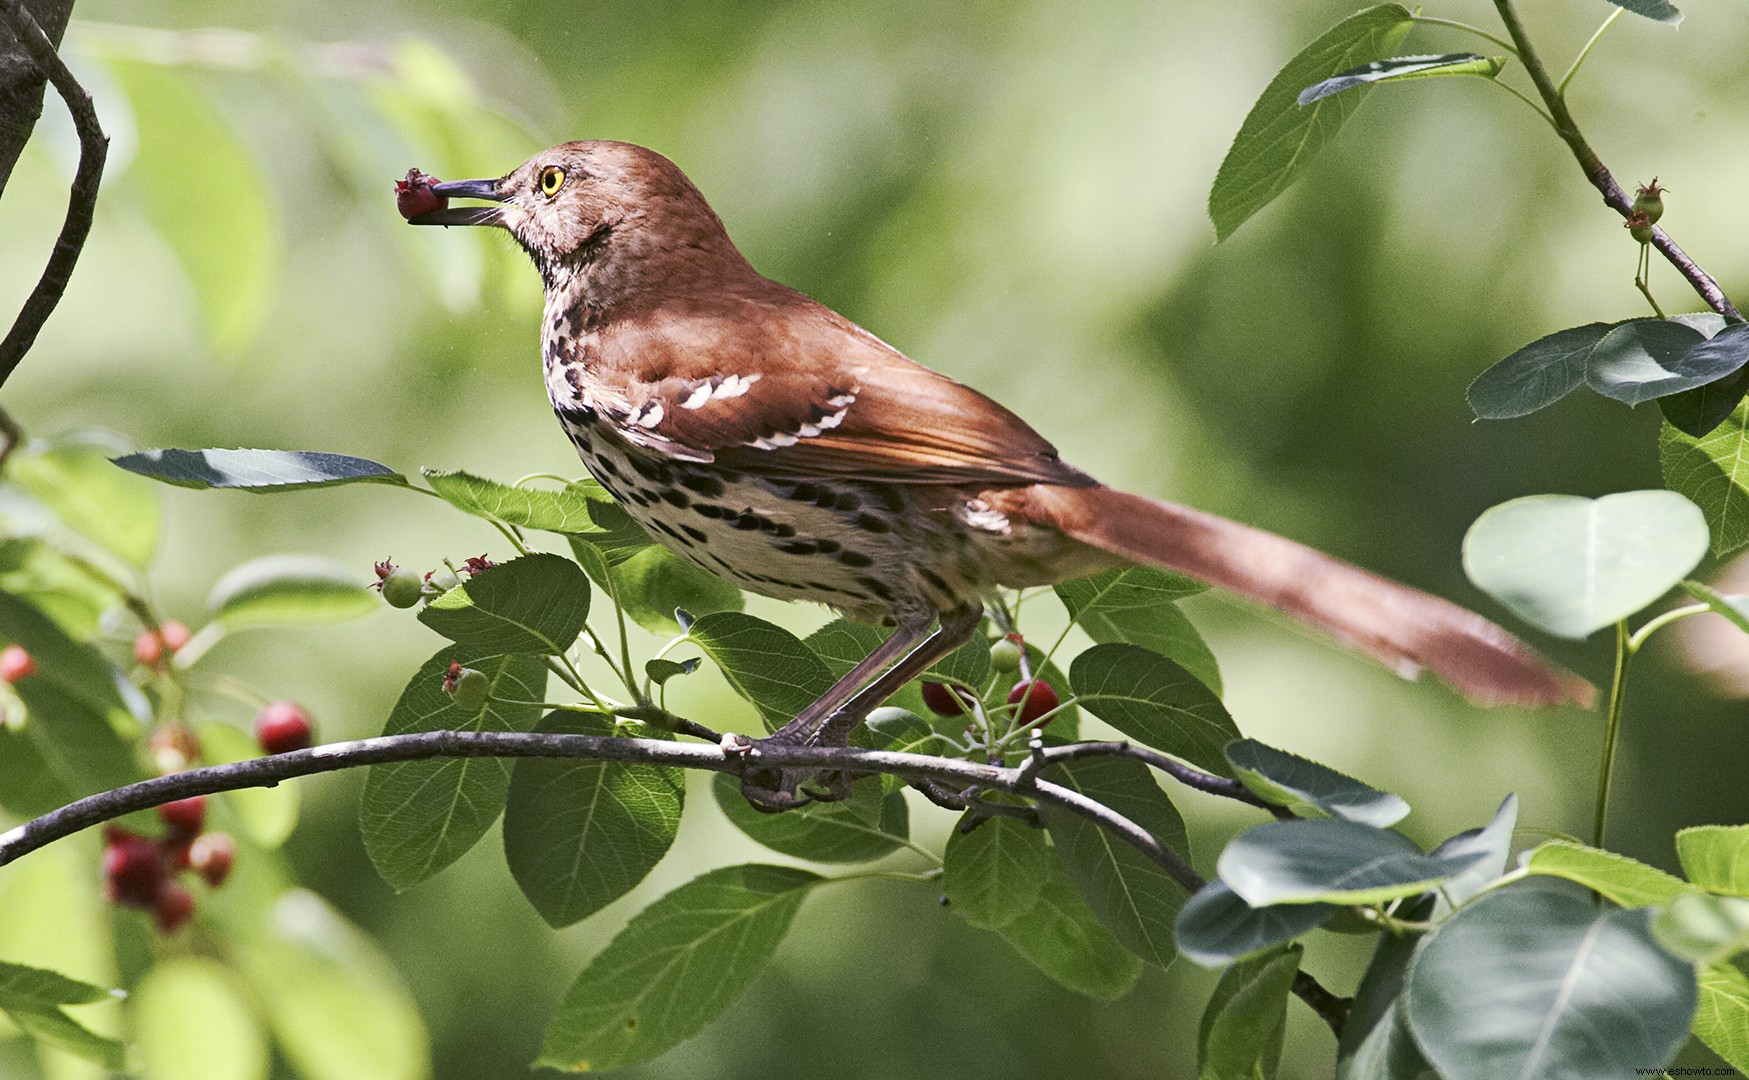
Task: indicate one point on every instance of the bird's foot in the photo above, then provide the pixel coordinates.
(778, 789)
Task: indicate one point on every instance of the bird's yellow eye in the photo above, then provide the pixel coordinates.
(552, 178)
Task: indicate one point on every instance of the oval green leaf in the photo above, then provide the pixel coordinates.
(86, 492)
(1652, 358)
(1709, 471)
(565, 510)
(1657, 10)
(1135, 604)
(1716, 857)
(1721, 1016)
(1310, 789)
(1538, 375)
(1702, 928)
(531, 604)
(1245, 1024)
(192, 1020)
(1572, 565)
(653, 582)
(1332, 862)
(764, 663)
(289, 590)
(257, 470)
(1155, 701)
(1216, 926)
(1492, 842)
(1062, 937)
(1626, 881)
(1399, 68)
(994, 873)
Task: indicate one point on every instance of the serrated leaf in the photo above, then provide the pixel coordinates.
(1332, 862)
(1532, 981)
(1657, 10)
(417, 817)
(1064, 939)
(1155, 701)
(1135, 899)
(1216, 926)
(1135, 604)
(1399, 68)
(1702, 928)
(1245, 1024)
(1310, 789)
(652, 583)
(579, 834)
(1538, 375)
(531, 604)
(1716, 857)
(994, 873)
(86, 492)
(1644, 359)
(1721, 1015)
(1626, 881)
(257, 470)
(766, 664)
(289, 590)
(1279, 139)
(564, 510)
(191, 1020)
(869, 824)
(1710, 472)
(674, 968)
(1571, 565)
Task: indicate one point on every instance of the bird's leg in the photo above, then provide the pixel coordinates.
(849, 700)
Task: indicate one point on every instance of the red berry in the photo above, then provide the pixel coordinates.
(174, 748)
(148, 648)
(175, 634)
(211, 857)
(174, 905)
(15, 663)
(1042, 699)
(945, 700)
(185, 818)
(413, 196)
(283, 726)
(134, 868)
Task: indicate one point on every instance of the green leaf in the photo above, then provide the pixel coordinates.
(1399, 68)
(267, 814)
(1492, 842)
(869, 824)
(531, 604)
(1135, 604)
(257, 470)
(579, 834)
(1310, 789)
(1721, 1015)
(660, 671)
(289, 590)
(1332, 861)
(1644, 359)
(1734, 606)
(1156, 701)
(1538, 375)
(86, 492)
(1571, 565)
(337, 1009)
(766, 664)
(54, 1027)
(617, 537)
(566, 510)
(1716, 857)
(674, 968)
(1657, 10)
(193, 1021)
(43, 577)
(1375, 1042)
(1064, 939)
(1135, 899)
(417, 817)
(1533, 981)
(1629, 883)
(22, 985)
(65, 750)
(1216, 927)
(207, 198)
(994, 873)
(1702, 928)
(1698, 410)
(653, 582)
(72, 668)
(1243, 1028)
(1279, 139)
(1710, 472)
(898, 731)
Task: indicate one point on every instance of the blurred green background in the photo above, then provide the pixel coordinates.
(1009, 192)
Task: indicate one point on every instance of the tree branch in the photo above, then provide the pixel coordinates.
(1195, 779)
(1599, 176)
(22, 82)
(269, 771)
(81, 202)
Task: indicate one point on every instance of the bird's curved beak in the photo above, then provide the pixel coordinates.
(465, 215)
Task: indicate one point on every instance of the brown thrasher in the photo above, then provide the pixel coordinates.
(777, 444)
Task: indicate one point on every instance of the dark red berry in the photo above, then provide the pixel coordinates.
(174, 748)
(945, 700)
(413, 196)
(174, 905)
(15, 663)
(211, 857)
(1042, 699)
(134, 868)
(184, 818)
(283, 726)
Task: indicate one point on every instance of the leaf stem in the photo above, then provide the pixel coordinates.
(1612, 728)
(1433, 20)
(1658, 622)
(1561, 87)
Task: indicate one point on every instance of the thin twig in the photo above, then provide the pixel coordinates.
(1599, 176)
(81, 202)
(271, 770)
(1184, 774)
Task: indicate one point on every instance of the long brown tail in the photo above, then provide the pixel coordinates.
(1407, 629)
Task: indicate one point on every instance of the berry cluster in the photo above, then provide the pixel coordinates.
(1032, 701)
(142, 871)
(403, 588)
(155, 646)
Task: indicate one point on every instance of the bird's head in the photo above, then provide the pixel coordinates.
(612, 216)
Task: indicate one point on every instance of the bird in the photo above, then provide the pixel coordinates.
(772, 441)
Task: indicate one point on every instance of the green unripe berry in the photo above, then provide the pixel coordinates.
(1640, 228)
(402, 588)
(1005, 656)
(441, 581)
(472, 688)
(1649, 200)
